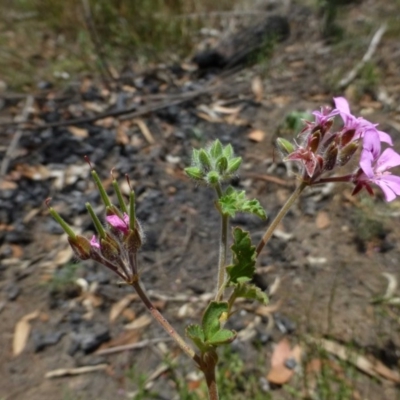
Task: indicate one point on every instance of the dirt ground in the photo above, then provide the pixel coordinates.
(329, 255)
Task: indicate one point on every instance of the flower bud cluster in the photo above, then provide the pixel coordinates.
(117, 243)
(214, 164)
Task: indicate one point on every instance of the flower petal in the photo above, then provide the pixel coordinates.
(371, 142)
(116, 222)
(385, 137)
(366, 161)
(94, 242)
(386, 188)
(342, 105)
(387, 160)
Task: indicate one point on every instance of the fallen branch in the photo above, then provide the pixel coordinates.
(367, 56)
(132, 111)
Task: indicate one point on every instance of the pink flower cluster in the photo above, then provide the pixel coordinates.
(321, 148)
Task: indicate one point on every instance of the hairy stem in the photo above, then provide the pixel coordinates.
(267, 235)
(223, 250)
(212, 387)
(164, 323)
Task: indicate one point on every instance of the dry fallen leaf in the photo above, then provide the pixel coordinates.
(119, 306)
(78, 132)
(280, 373)
(139, 323)
(256, 135)
(322, 221)
(21, 332)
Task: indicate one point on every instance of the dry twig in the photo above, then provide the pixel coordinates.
(367, 56)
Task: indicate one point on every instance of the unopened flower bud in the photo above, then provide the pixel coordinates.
(347, 137)
(216, 149)
(314, 142)
(346, 153)
(285, 146)
(330, 157)
(233, 165)
(81, 247)
(133, 241)
(204, 159)
(212, 178)
(109, 249)
(222, 165)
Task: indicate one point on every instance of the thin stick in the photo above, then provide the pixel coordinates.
(75, 371)
(367, 56)
(96, 40)
(131, 346)
(16, 138)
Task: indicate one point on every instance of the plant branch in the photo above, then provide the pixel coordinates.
(164, 323)
(267, 235)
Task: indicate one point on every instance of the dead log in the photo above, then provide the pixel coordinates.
(245, 46)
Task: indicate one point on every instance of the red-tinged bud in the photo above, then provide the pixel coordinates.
(315, 141)
(108, 249)
(346, 153)
(347, 137)
(81, 247)
(320, 164)
(330, 157)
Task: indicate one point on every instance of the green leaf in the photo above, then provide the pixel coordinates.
(216, 149)
(251, 292)
(194, 173)
(234, 164)
(224, 336)
(244, 258)
(195, 332)
(222, 165)
(234, 201)
(205, 160)
(211, 318)
(228, 151)
(254, 207)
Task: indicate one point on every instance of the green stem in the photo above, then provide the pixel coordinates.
(164, 323)
(267, 235)
(223, 250)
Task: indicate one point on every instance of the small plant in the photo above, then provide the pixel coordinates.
(320, 149)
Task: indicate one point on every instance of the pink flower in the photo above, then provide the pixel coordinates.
(375, 167)
(323, 116)
(120, 224)
(360, 125)
(94, 242)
